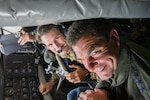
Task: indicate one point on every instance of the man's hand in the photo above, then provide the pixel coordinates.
(96, 94)
(45, 88)
(25, 37)
(78, 75)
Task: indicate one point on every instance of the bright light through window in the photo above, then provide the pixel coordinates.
(8, 30)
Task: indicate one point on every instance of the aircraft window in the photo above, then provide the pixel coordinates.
(10, 30)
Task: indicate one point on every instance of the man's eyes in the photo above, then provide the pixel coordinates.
(98, 50)
(57, 37)
(94, 53)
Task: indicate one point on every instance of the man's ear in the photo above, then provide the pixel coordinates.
(115, 36)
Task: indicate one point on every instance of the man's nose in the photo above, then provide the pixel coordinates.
(56, 45)
(90, 63)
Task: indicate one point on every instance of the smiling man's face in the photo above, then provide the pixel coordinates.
(97, 55)
(55, 41)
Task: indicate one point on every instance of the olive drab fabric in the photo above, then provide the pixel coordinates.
(130, 81)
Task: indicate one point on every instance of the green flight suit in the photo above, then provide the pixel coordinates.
(132, 77)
